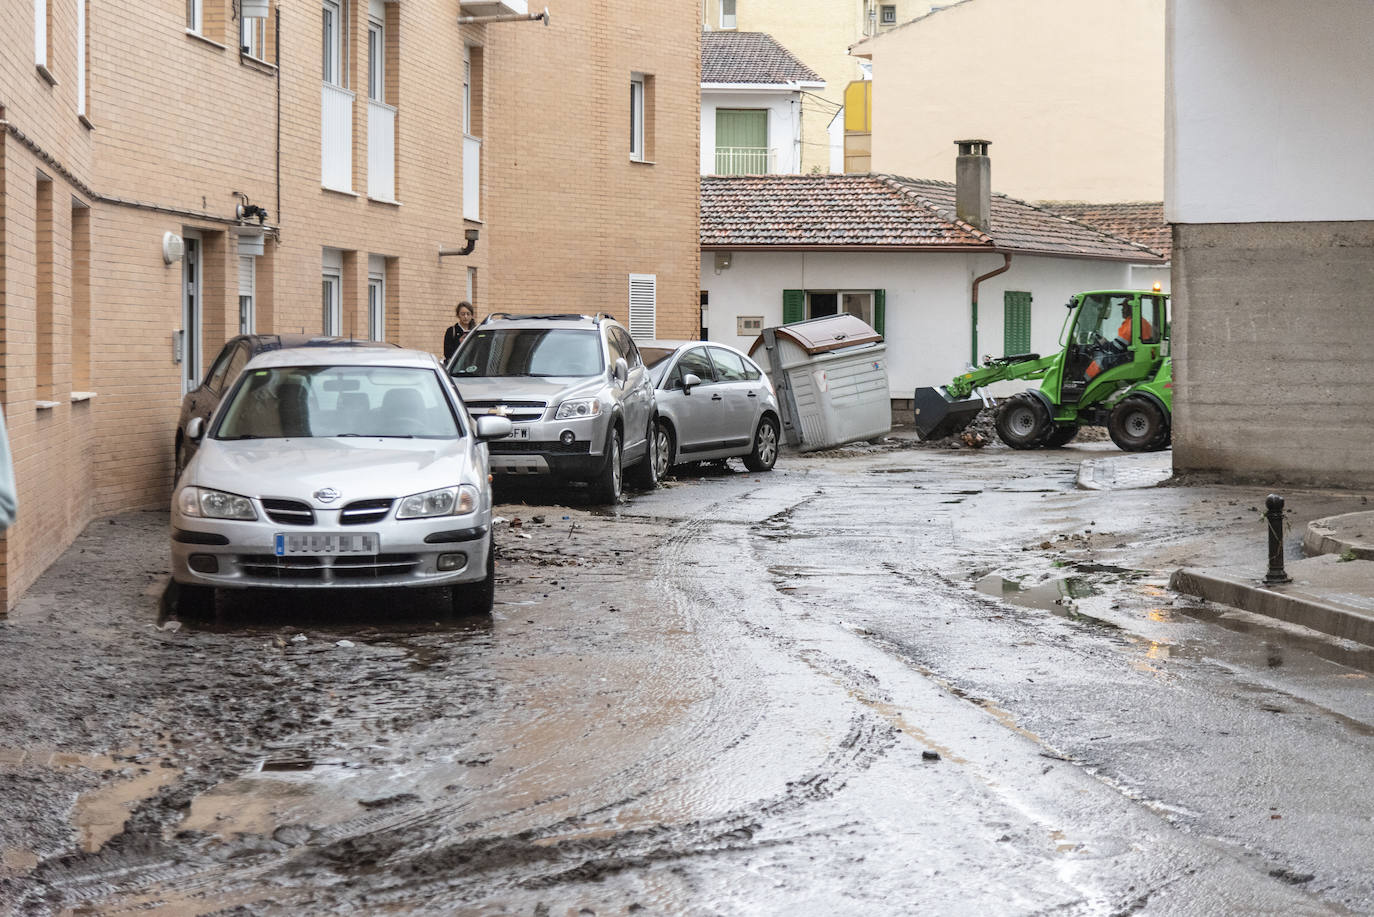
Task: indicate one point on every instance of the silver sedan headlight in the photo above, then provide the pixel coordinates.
(215, 504)
(448, 501)
(578, 407)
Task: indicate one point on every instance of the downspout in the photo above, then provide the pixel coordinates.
(973, 331)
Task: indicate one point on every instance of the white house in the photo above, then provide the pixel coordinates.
(895, 252)
(751, 104)
(1268, 188)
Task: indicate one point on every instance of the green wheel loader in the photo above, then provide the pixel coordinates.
(1112, 369)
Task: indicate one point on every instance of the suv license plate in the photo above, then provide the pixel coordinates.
(519, 432)
(327, 543)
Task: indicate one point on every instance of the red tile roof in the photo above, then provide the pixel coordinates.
(1141, 222)
(886, 212)
(750, 57)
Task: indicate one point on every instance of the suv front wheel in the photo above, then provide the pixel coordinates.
(645, 474)
(607, 486)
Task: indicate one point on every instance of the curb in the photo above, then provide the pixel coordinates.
(1118, 473)
(1282, 602)
(1322, 538)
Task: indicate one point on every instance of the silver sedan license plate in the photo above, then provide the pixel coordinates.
(327, 543)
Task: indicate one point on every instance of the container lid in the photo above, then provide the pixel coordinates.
(821, 335)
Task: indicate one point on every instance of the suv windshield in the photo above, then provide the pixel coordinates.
(529, 352)
(322, 401)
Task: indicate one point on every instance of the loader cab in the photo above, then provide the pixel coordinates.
(1110, 329)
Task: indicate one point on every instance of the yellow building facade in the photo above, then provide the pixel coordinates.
(174, 172)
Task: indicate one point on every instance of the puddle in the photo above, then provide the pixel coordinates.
(1057, 596)
(892, 471)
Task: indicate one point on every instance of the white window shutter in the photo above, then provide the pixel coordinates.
(247, 274)
(643, 306)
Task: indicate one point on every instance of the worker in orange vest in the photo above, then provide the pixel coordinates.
(1117, 350)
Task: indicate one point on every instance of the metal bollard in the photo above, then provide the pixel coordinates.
(1273, 518)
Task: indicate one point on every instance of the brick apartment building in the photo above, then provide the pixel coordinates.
(137, 139)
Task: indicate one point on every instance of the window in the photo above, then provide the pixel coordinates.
(727, 14)
(45, 264)
(729, 366)
(81, 296)
(214, 379)
(472, 287)
(253, 37)
(637, 118)
(331, 302)
(869, 305)
(248, 279)
(1016, 322)
(333, 44)
(742, 142)
(194, 18)
(81, 58)
(643, 305)
(888, 14)
(376, 60)
(42, 39)
(467, 89)
(695, 362)
(376, 297)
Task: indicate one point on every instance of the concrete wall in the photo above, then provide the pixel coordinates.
(784, 125)
(1267, 115)
(819, 33)
(1272, 368)
(928, 300)
(1070, 92)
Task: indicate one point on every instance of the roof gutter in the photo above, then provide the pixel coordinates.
(973, 330)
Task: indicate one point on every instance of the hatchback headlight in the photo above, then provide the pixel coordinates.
(578, 407)
(215, 504)
(450, 501)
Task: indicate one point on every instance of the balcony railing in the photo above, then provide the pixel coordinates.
(472, 178)
(381, 151)
(336, 138)
(745, 160)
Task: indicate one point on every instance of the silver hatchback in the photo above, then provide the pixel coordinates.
(713, 403)
(337, 468)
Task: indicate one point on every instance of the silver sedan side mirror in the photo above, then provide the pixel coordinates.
(690, 381)
(195, 428)
(492, 426)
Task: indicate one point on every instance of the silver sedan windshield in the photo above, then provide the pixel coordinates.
(324, 401)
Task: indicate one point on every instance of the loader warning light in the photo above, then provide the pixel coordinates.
(1157, 287)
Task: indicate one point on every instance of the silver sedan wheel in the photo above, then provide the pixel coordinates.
(663, 450)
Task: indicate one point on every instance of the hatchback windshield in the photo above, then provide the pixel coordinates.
(323, 401)
(530, 352)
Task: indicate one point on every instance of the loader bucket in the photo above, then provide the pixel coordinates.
(938, 415)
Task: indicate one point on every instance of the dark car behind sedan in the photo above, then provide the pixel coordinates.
(202, 400)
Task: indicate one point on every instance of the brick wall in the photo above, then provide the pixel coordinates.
(180, 122)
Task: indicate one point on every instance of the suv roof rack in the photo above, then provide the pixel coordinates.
(548, 316)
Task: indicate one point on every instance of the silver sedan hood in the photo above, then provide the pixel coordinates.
(359, 468)
(528, 388)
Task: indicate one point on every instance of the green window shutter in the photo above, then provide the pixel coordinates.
(880, 311)
(741, 142)
(1016, 322)
(793, 306)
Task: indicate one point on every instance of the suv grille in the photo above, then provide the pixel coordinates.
(288, 512)
(364, 512)
(518, 411)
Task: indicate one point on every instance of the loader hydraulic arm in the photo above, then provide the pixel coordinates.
(999, 369)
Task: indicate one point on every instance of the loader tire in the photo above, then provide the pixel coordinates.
(1139, 424)
(1062, 434)
(1024, 422)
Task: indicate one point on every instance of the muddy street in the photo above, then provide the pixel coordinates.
(878, 680)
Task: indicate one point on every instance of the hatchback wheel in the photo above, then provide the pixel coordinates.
(765, 451)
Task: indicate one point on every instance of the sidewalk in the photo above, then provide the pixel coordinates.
(1332, 588)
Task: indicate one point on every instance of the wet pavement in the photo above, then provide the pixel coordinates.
(883, 679)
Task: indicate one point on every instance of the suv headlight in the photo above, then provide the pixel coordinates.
(448, 501)
(578, 407)
(215, 504)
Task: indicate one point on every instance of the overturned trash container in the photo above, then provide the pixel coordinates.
(831, 378)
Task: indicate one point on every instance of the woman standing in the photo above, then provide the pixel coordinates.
(454, 334)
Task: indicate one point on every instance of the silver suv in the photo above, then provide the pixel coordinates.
(575, 389)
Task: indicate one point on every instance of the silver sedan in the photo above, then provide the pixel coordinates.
(713, 403)
(336, 468)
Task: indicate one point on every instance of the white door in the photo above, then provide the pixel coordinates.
(190, 316)
(247, 292)
(331, 304)
(376, 308)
